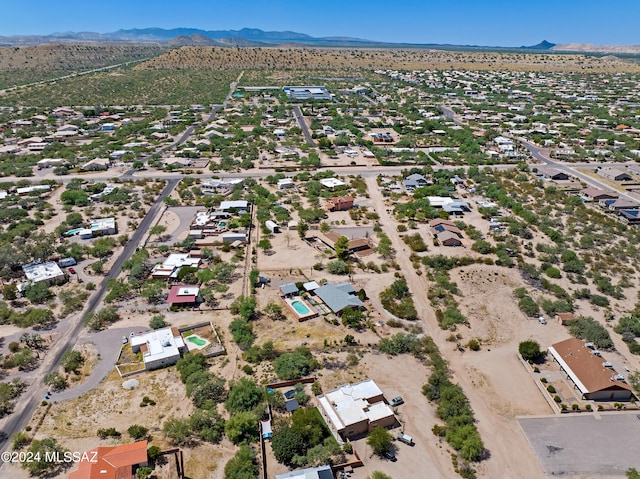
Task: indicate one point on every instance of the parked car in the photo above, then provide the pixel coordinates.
(72, 270)
(406, 439)
(390, 455)
(397, 401)
(125, 340)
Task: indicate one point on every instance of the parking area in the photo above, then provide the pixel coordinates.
(593, 444)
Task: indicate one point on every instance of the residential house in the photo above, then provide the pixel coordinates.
(615, 174)
(104, 226)
(43, 272)
(584, 366)
(414, 181)
(285, 184)
(159, 348)
(447, 238)
(339, 297)
(168, 269)
(112, 462)
(332, 183)
(552, 174)
(96, 164)
(50, 162)
(183, 295)
(631, 217)
(595, 194)
(320, 472)
(619, 204)
(355, 409)
(340, 203)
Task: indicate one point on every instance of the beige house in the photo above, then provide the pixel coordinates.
(355, 409)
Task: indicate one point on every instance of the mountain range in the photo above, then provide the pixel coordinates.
(255, 37)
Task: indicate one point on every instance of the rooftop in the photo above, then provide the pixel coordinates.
(584, 367)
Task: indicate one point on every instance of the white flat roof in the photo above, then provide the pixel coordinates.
(332, 182)
(240, 204)
(349, 404)
(160, 344)
(103, 223)
(42, 271)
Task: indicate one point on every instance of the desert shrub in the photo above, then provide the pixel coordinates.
(590, 330)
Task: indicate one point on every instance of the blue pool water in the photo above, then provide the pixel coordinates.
(73, 232)
(300, 307)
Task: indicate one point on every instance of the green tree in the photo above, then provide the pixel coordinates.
(154, 452)
(157, 230)
(302, 228)
(10, 291)
(39, 293)
(287, 443)
(530, 350)
(157, 322)
(177, 430)
(56, 381)
(44, 453)
(242, 427)
(379, 440)
(244, 395)
(143, 472)
(264, 244)
(152, 291)
(384, 246)
(137, 432)
(632, 473)
(242, 466)
(379, 475)
(273, 311)
(341, 248)
(294, 365)
(71, 361)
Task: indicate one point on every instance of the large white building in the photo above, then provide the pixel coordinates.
(159, 348)
(43, 272)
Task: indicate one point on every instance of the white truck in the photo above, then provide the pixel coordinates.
(402, 437)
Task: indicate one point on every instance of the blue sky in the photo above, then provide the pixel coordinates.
(474, 22)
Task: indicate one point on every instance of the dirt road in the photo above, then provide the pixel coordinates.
(510, 454)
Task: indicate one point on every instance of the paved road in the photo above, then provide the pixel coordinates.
(20, 418)
(450, 114)
(542, 155)
(303, 125)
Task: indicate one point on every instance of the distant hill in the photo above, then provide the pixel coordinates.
(192, 40)
(543, 45)
(255, 37)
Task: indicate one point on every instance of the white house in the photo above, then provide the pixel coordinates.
(43, 272)
(159, 348)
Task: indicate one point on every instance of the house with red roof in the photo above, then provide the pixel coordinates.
(183, 295)
(112, 462)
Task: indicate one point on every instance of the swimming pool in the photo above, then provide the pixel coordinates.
(196, 341)
(300, 307)
(73, 232)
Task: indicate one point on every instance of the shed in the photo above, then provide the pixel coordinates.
(272, 226)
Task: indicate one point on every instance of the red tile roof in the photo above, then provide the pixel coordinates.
(112, 462)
